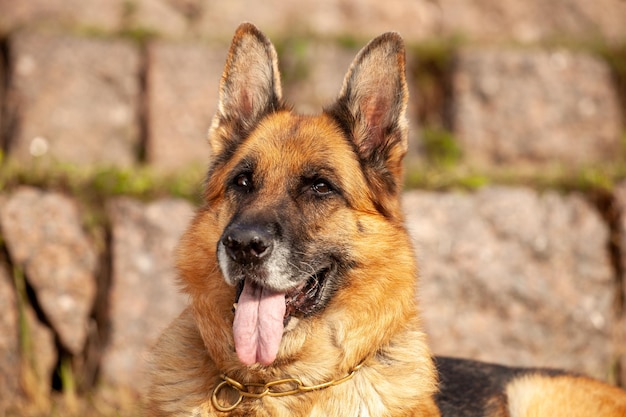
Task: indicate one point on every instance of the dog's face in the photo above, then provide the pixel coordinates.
(300, 211)
(287, 222)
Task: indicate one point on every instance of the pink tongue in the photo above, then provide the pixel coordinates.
(258, 325)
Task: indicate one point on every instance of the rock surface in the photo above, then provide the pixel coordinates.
(534, 20)
(183, 80)
(508, 20)
(520, 108)
(513, 276)
(144, 297)
(76, 98)
(45, 238)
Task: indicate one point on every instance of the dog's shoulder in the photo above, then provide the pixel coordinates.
(179, 367)
(471, 389)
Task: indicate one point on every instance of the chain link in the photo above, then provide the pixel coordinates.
(257, 390)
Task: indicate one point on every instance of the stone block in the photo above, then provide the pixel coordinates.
(45, 238)
(534, 108)
(183, 87)
(105, 15)
(144, 297)
(76, 98)
(513, 276)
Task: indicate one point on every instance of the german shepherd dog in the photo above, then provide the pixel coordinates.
(301, 275)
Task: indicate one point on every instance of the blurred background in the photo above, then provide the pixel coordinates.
(515, 189)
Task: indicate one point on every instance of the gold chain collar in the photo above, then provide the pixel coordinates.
(258, 390)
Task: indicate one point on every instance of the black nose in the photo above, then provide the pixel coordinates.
(247, 244)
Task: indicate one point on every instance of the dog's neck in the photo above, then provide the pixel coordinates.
(277, 388)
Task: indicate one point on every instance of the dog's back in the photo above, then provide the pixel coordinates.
(477, 389)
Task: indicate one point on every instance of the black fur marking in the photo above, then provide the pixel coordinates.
(474, 389)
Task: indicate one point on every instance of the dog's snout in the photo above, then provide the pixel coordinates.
(247, 245)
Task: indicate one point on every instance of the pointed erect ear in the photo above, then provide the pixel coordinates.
(371, 109)
(249, 89)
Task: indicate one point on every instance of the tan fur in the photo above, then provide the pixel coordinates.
(564, 396)
(398, 373)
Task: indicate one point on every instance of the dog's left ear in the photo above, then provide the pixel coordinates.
(250, 88)
(371, 109)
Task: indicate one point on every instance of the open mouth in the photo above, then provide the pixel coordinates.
(262, 314)
(304, 299)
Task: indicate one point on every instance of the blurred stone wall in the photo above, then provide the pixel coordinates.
(527, 273)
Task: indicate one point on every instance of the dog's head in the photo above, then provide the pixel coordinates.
(301, 227)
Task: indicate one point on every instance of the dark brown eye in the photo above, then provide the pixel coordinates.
(244, 181)
(321, 187)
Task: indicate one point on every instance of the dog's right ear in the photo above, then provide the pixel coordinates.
(249, 89)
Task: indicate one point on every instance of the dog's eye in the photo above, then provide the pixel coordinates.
(321, 187)
(244, 181)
